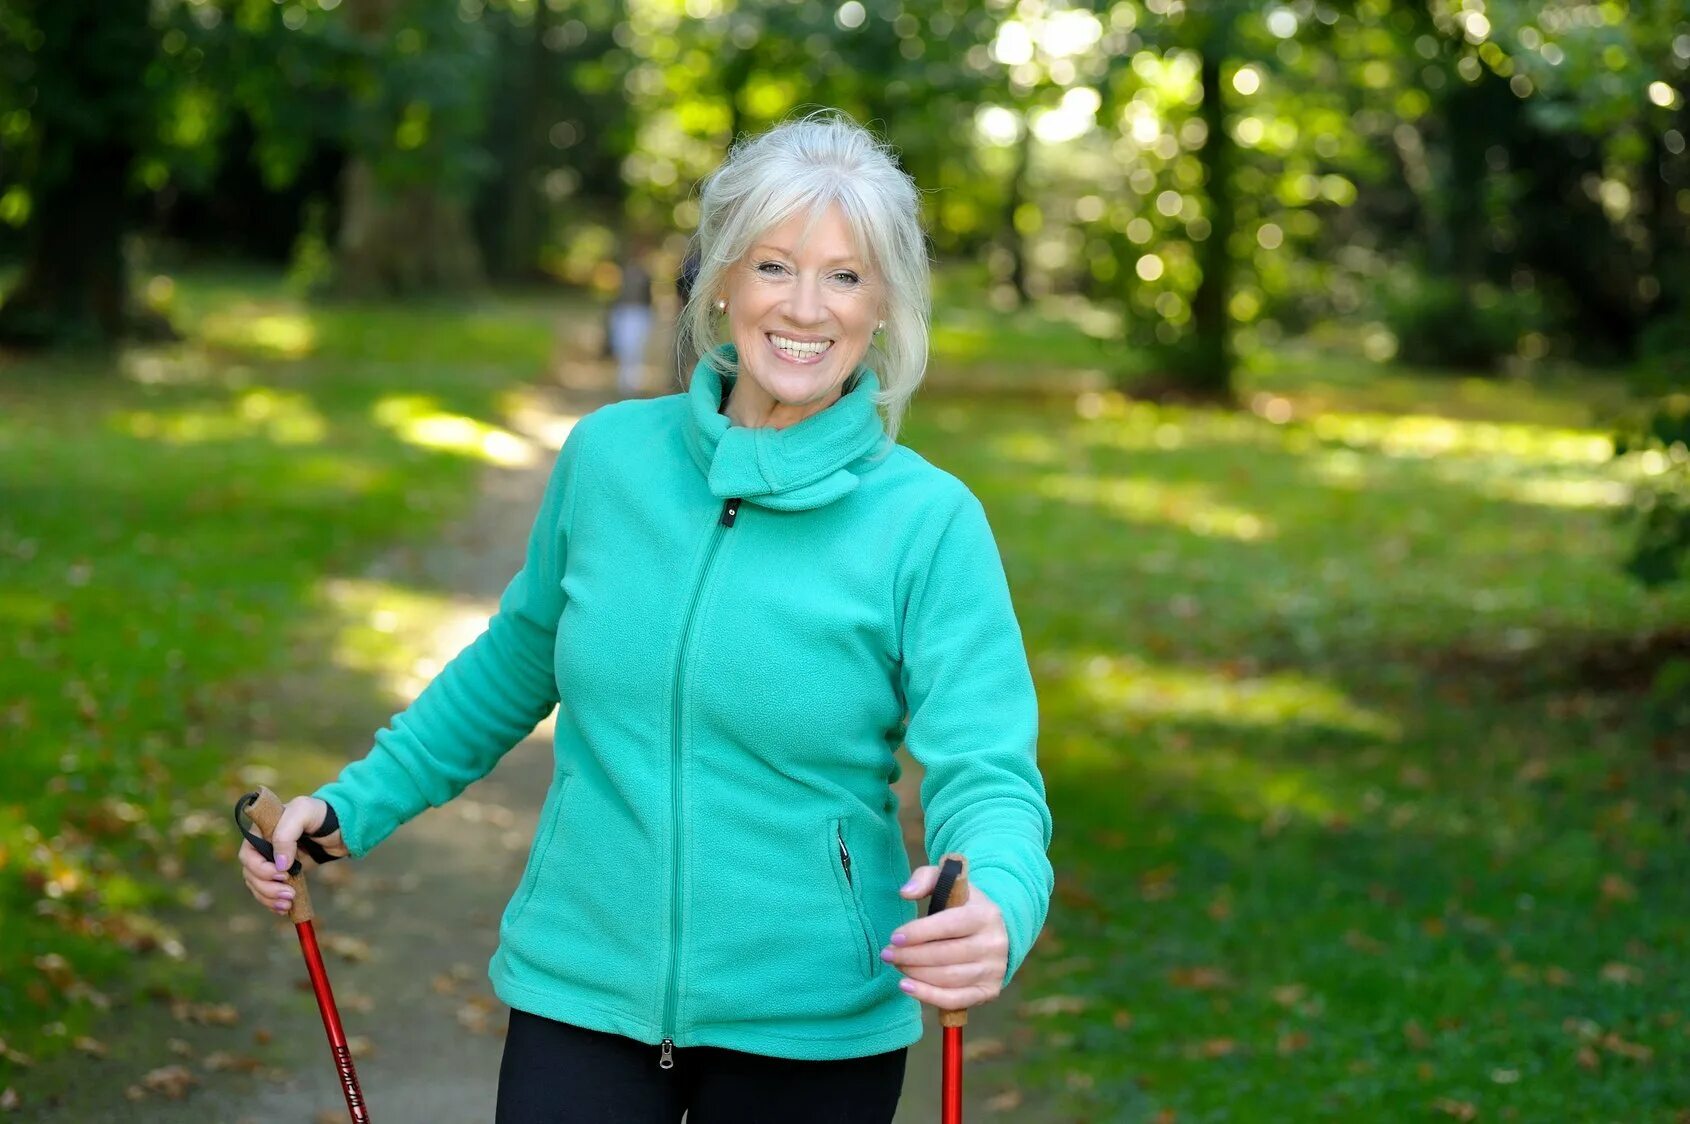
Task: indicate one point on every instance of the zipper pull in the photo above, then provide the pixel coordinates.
(730, 511)
(845, 859)
(667, 1060)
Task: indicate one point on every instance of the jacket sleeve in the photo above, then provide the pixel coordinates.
(973, 725)
(488, 698)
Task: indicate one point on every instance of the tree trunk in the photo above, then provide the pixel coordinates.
(1209, 356)
(1012, 240)
(397, 240)
(72, 288)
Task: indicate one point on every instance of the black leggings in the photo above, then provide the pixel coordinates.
(554, 1073)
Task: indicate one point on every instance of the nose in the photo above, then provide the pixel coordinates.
(805, 305)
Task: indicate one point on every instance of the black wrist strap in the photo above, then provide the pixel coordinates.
(307, 843)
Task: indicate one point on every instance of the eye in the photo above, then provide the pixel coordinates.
(770, 268)
(846, 277)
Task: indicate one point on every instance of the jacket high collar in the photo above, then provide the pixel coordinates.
(802, 466)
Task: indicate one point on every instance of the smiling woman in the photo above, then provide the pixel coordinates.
(800, 319)
(746, 596)
(810, 233)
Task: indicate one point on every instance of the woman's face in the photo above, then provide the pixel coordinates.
(802, 307)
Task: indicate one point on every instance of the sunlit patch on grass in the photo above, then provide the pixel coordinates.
(1143, 500)
(1419, 435)
(1573, 492)
(261, 331)
(1027, 447)
(402, 637)
(282, 417)
(418, 420)
(1140, 692)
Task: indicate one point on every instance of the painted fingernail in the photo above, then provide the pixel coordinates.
(886, 955)
(906, 985)
(909, 887)
(899, 939)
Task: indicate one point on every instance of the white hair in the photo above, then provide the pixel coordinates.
(802, 167)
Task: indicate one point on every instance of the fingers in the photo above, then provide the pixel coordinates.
(963, 950)
(948, 998)
(921, 882)
(945, 925)
(264, 881)
(302, 814)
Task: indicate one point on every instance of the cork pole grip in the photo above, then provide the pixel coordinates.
(266, 813)
(958, 896)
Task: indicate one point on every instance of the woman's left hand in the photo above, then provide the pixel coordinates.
(955, 959)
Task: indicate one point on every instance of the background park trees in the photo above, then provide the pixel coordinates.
(1480, 182)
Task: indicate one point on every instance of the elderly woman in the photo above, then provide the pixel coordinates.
(746, 596)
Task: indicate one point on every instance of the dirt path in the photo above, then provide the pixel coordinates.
(407, 956)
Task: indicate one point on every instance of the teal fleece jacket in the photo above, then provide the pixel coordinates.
(742, 625)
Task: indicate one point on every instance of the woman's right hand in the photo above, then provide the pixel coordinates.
(268, 880)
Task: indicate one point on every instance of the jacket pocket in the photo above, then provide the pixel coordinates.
(849, 877)
(550, 813)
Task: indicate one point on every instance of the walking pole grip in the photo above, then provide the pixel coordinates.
(266, 813)
(951, 890)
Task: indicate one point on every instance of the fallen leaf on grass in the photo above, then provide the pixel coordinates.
(1617, 889)
(443, 985)
(1363, 943)
(1288, 995)
(978, 1048)
(361, 1047)
(1212, 1048)
(179, 1047)
(348, 948)
(1007, 1101)
(1620, 973)
(205, 1014)
(170, 1081)
(354, 1001)
(221, 1060)
(9, 1100)
(87, 1045)
(1199, 979)
(1054, 1005)
(1460, 1110)
(1292, 1042)
(1636, 1051)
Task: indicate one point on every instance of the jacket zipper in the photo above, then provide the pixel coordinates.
(666, 1059)
(852, 904)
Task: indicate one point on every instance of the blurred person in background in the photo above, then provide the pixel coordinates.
(628, 323)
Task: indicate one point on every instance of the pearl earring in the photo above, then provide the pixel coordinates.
(880, 327)
(721, 305)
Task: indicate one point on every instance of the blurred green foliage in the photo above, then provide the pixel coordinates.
(1525, 160)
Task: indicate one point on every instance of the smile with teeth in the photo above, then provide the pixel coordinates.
(800, 350)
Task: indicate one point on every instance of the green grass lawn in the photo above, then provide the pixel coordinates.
(1339, 833)
(167, 522)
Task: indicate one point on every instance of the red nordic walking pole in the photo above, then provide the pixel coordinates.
(951, 890)
(266, 810)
